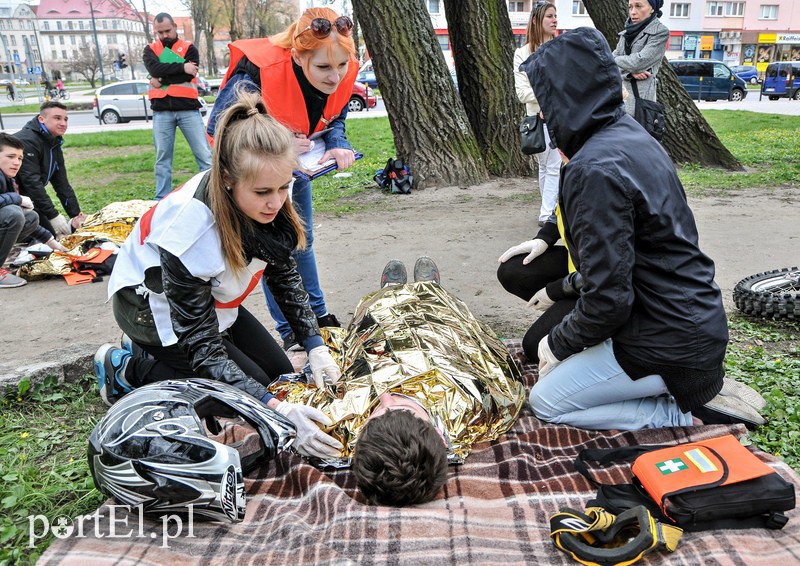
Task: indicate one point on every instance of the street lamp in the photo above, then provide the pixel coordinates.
(97, 45)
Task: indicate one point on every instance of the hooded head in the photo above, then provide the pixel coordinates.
(656, 4)
(587, 97)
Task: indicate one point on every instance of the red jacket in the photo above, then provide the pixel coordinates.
(280, 89)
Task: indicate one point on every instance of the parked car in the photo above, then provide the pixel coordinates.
(124, 101)
(368, 78)
(747, 73)
(213, 85)
(202, 86)
(706, 79)
(362, 97)
(782, 80)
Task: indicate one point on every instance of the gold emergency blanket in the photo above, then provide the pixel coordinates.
(417, 340)
(112, 223)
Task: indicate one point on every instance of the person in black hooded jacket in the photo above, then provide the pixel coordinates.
(645, 342)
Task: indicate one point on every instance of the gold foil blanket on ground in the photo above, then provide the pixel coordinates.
(112, 224)
(421, 341)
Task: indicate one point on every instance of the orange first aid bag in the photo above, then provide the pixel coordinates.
(709, 484)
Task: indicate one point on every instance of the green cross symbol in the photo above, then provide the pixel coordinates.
(671, 466)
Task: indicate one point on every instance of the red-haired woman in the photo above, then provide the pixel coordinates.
(305, 75)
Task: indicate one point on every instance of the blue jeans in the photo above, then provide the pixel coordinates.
(306, 263)
(590, 390)
(164, 124)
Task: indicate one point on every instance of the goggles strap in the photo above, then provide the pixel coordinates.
(598, 538)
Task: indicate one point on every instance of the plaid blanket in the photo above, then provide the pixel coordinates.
(494, 509)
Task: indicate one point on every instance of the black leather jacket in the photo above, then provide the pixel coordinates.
(192, 306)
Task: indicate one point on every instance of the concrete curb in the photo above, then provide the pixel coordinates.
(67, 364)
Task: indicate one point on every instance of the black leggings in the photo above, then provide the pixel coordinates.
(524, 280)
(247, 343)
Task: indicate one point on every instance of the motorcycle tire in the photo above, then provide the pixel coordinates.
(772, 294)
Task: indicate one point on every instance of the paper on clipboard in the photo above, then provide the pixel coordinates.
(309, 161)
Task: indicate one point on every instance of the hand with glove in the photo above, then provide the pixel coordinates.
(27, 203)
(547, 359)
(541, 301)
(310, 440)
(54, 244)
(61, 226)
(322, 364)
(534, 248)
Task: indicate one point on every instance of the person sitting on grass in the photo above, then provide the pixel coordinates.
(422, 381)
(18, 221)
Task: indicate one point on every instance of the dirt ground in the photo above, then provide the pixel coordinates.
(49, 327)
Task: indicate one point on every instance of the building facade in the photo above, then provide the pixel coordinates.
(19, 40)
(69, 29)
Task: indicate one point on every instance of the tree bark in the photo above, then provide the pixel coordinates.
(431, 129)
(482, 40)
(688, 138)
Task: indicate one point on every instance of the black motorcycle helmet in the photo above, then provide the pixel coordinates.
(151, 448)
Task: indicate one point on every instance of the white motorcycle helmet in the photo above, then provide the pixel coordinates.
(151, 449)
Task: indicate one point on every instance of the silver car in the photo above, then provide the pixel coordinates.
(126, 100)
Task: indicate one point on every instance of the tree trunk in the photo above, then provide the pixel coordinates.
(689, 138)
(430, 127)
(482, 40)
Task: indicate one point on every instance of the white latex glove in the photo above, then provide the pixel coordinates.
(541, 301)
(547, 359)
(61, 226)
(310, 440)
(322, 363)
(53, 244)
(27, 203)
(534, 248)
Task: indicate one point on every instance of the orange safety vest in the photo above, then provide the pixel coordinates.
(181, 90)
(279, 87)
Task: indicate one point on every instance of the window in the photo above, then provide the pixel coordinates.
(114, 24)
(111, 38)
(516, 6)
(46, 25)
(578, 9)
(734, 8)
(52, 40)
(72, 39)
(80, 25)
(714, 8)
(64, 54)
(105, 24)
(721, 71)
(768, 12)
(53, 54)
(433, 6)
(675, 43)
(679, 10)
(58, 25)
(69, 24)
(61, 39)
(444, 42)
(13, 40)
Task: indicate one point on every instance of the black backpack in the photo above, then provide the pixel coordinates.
(395, 177)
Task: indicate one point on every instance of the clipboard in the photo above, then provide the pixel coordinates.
(325, 169)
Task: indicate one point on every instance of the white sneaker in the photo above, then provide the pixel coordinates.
(8, 280)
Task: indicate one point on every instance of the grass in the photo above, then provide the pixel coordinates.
(43, 430)
(43, 467)
(106, 167)
(766, 144)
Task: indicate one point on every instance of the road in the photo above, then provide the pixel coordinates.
(84, 121)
